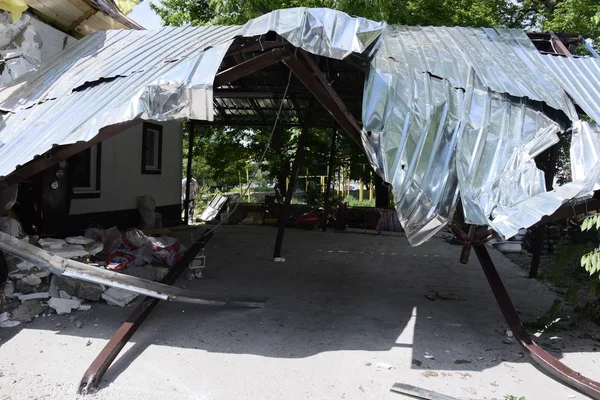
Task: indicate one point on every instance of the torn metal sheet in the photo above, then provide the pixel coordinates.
(585, 157)
(84, 272)
(505, 60)
(20, 47)
(428, 138)
(579, 77)
(320, 31)
(117, 76)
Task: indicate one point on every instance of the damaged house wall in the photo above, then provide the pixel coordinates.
(121, 176)
(27, 43)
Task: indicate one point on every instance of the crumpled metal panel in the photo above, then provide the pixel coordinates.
(579, 77)
(321, 31)
(20, 47)
(585, 164)
(171, 91)
(113, 54)
(505, 60)
(428, 138)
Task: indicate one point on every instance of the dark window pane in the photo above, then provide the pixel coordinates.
(80, 164)
(150, 149)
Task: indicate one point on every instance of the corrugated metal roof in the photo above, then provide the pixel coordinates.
(579, 77)
(504, 60)
(130, 74)
(110, 54)
(428, 138)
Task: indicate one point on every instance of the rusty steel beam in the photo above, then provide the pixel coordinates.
(61, 153)
(545, 361)
(109, 353)
(256, 46)
(325, 97)
(250, 66)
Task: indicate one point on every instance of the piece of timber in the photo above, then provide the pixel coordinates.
(75, 269)
(546, 361)
(250, 66)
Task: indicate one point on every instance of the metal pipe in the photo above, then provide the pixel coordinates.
(290, 191)
(546, 362)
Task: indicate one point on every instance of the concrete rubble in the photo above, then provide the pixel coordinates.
(31, 292)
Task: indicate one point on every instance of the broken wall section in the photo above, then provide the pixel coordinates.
(25, 44)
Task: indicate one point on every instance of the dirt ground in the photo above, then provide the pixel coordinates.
(348, 315)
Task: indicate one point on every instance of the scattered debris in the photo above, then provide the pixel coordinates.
(79, 240)
(429, 374)
(70, 251)
(118, 297)
(34, 296)
(429, 356)
(279, 259)
(78, 324)
(32, 280)
(27, 311)
(50, 243)
(417, 362)
(418, 392)
(508, 333)
(85, 307)
(74, 287)
(64, 306)
(88, 343)
(462, 362)
(383, 365)
(9, 324)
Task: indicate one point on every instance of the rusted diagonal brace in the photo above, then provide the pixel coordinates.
(250, 66)
(325, 96)
(547, 362)
(95, 372)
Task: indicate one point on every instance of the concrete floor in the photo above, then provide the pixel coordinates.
(347, 317)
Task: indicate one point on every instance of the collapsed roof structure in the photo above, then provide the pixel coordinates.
(449, 115)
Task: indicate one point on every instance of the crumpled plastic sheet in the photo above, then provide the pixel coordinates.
(428, 138)
(320, 31)
(19, 47)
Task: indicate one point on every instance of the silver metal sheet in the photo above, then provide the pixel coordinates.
(320, 31)
(579, 77)
(429, 138)
(20, 47)
(505, 60)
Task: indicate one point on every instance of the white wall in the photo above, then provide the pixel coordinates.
(121, 178)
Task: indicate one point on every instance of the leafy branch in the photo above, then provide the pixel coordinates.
(591, 261)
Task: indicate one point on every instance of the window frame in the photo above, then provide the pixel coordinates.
(95, 168)
(158, 140)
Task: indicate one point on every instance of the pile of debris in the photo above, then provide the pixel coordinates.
(31, 291)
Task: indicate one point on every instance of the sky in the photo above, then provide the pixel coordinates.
(143, 15)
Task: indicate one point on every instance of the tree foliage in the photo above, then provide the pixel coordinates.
(591, 261)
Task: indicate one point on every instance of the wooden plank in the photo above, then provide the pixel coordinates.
(49, 12)
(83, 6)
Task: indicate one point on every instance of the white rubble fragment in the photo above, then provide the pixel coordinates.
(32, 280)
(5, 316)
(9, 225)
(95, 248)
(70, 251)
(118, 297)
(85, 307)
(79, 240)
(42, 274)
(9, 324)
(16, 274)
(64, 306)
(24, 265)
(50, 243)
(383, 365)
(34, 296)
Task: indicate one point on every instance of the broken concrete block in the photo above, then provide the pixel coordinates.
(22, 287)
(64, 306)
(27, 311)
(73, 287)
(63, 295)
(79, 240)
(34, 296)
(32, 280)
(149, 272)
(70, 251)
(9, 225)
(9, 288)
(95, 248)
(9, 324)
(118, 297)
(49, 243)
(5, 316)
